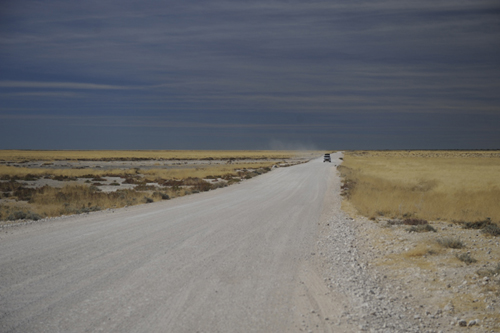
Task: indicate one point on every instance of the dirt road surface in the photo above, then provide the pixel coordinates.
(237, 259)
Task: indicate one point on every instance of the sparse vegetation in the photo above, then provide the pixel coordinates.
(477, 225)
(489, 271)
(491, 229)
(415, 222)
(142, 155)
(163, 196)
(451, 243)
(409, 188)
(422, 228)
(486, 226)
(422, 250)
(465, 257)
(22, 215)
(84, 193)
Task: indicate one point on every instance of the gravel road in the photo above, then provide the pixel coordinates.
(238, 259)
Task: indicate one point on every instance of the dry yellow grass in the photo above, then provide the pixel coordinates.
(53, 155)
(203, 172)
(448, 185)
(200, 171)
(23, 172)
(76, 199)
(48, 202)
(423, 249)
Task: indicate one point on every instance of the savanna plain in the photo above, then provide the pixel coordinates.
(40, 184)
(428, 221)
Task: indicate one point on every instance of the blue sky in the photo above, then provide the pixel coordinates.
(258, 74)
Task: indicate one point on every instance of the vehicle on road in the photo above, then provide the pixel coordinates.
(327, 158)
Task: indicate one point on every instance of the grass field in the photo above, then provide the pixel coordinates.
(7, 172)
(107, 155)
(435, 223)
(432, 185)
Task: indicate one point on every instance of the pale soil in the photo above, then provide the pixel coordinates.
(438, 289)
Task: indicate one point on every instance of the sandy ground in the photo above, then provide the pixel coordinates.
(436, 288)
(238, 259)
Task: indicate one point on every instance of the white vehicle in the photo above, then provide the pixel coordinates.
(327, 158)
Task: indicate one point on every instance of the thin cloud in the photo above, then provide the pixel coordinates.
(61, 85)
(45, 94)
(253, 66)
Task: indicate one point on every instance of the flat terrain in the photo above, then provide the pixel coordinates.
(40, 184)
(273, 253)
(430, 221)
(24, 156)
(457, 186)
(232, 260)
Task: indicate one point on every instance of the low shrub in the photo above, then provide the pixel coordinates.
(98, 179)
(161, 195)
(64, 178)
(465, 257)
(228, 176)
(414, 222)
(489, 271)
(477, 225)
(86, 210)
(422, 228)
(198, 184)
(421, 250)
(451, 243)
(24, 193)
(145, 188)
(395, 222)
(22, 215)
(133, 180)
(492, 229)
(233, 181)
(30, 177)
